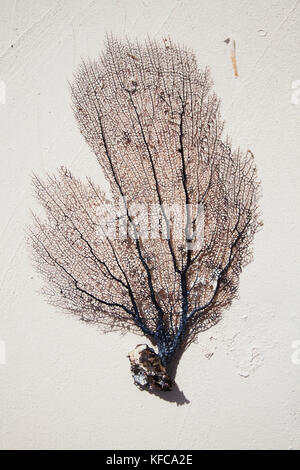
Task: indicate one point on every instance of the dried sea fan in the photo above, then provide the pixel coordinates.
(150, 117)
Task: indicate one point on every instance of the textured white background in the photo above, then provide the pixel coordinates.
(65, 385)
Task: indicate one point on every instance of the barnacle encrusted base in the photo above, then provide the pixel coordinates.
(147, 370)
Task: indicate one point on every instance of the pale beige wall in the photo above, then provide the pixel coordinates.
(65, 385)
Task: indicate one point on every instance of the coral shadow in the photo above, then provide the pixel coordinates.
(174, 396)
